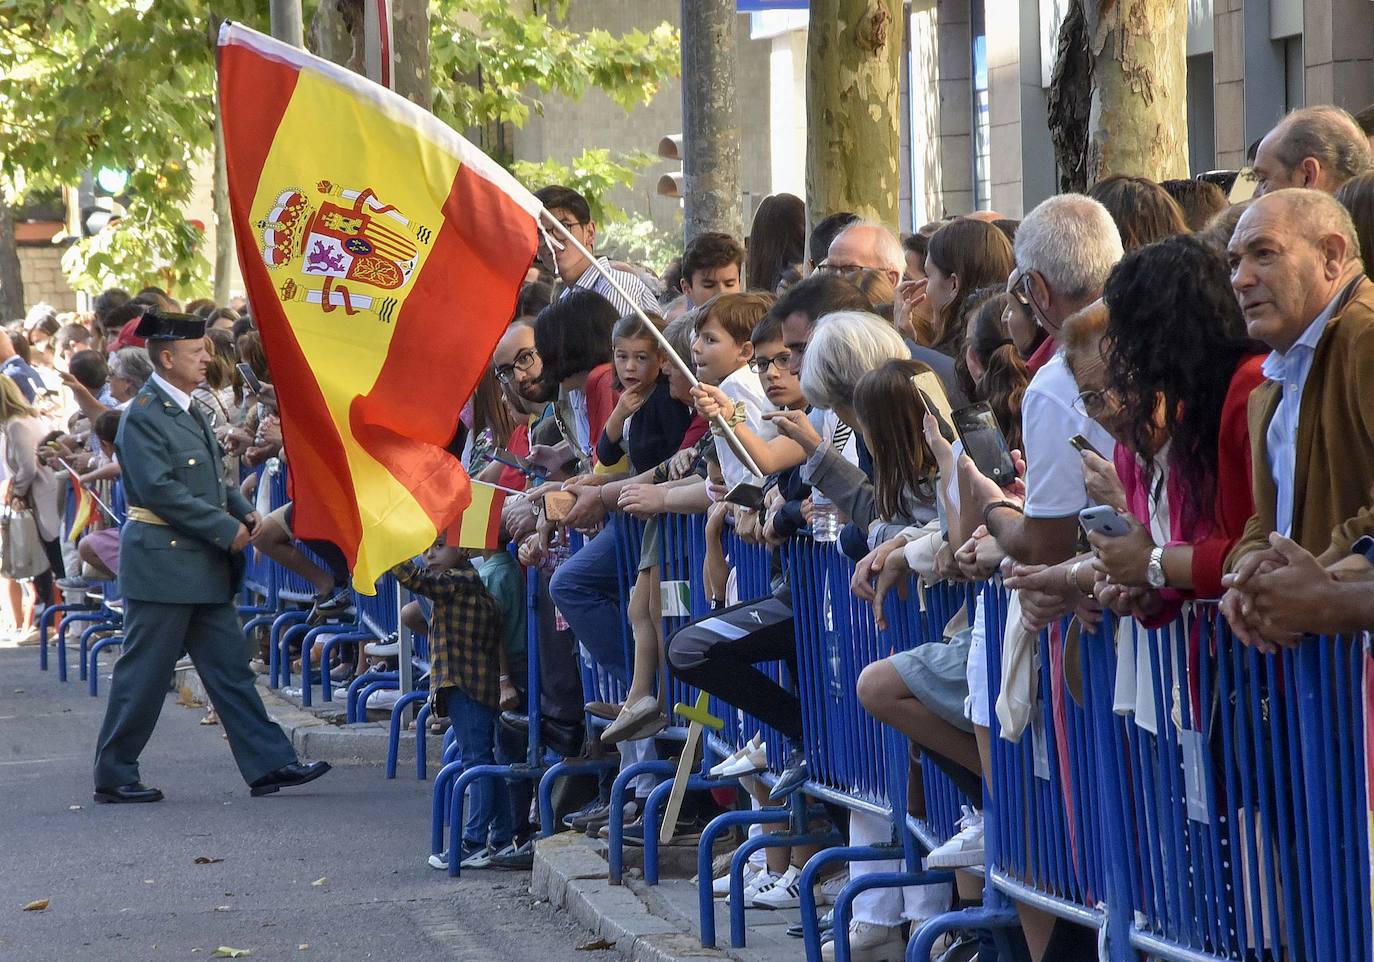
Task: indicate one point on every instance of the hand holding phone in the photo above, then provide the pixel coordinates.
(1081, 444)
(249, 378)
(984, 443)
(1102, 519)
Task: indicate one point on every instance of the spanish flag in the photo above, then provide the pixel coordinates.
(383, 256)
(81, 517)
(479, 527)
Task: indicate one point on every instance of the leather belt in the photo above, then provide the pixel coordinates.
(146, 517)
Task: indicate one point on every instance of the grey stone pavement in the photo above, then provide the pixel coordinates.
(123, 884)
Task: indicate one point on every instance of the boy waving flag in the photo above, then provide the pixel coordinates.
(383, 256)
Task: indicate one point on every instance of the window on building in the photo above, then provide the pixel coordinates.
(1202, 140)
(981, 120)
(1294, 94)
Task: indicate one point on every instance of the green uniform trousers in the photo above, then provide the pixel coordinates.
(154, 637)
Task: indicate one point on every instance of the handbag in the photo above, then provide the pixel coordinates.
(21, 549)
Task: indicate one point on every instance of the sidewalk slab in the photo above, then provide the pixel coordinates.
(319, 734)
(648, 923)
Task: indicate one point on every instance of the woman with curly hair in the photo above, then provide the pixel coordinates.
(1170, 378)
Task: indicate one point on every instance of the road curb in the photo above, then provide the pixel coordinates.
(320, 738)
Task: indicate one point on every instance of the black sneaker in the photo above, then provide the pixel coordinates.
(634, 811)
(333, 605)
(793, 776)
(518, 856)
(594, 814)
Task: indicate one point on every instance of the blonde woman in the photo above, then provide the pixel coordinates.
(30, 484)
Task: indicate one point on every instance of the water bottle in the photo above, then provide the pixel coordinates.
(825, 519)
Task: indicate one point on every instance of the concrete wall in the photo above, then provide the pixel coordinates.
(567, 127)
(44, 282)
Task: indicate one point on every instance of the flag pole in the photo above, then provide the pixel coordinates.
(498, 487)
(72, 472)
(736, 447)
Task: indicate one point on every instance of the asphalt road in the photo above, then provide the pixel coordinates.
(123, 884)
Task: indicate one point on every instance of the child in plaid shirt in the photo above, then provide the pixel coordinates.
(465, 640)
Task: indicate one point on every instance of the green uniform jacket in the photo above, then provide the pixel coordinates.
(171, 465)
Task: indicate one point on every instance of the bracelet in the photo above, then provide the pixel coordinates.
(740, 415)
(999, 504)
(1073, 574)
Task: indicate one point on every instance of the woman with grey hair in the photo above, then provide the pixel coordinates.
(130, 369)
(846, 345)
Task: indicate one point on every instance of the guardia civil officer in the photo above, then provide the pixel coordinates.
(180, 564)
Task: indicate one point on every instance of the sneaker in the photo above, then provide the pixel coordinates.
(382, 649)
(783, 893)
(517, 856)
(688, 833)
(870, 943)
(335, 604)
(829, 890)
(965, 849)
(824, 924)
(718, 770)
(73, 584)
(793, 776)
(720, 887)
(439, 861)
(480, 857)
(596, 811)
(383, 700)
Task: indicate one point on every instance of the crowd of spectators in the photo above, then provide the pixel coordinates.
(1193, 368)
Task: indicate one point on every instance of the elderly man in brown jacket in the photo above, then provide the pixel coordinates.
(1296, 269)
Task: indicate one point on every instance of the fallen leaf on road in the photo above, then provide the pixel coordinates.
(222, 908)
(320, 881)
(206, 860)
(19, 691)
(226, 952)
(303, 946)
(73, 808)
(38, 905)
(595, 945)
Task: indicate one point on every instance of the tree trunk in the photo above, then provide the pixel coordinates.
(853, 88)
(224, 222)
(286, 21)
(710, 122)
(1139, 119)
(1070, 101)
(410, 41)
(11, 276)
(336, 33)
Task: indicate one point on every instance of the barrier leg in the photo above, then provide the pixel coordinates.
(327, 683)
(714, 829)
(737, 863)
(365, 681)
(82, 616)
(294, 632)
(274, 666)
(83, 644)
(550, 777)
(878, 880)
(615, 853)
(999, 922)
(457, 805)
(422, 742)
(393, 745)
(810, 916)
(45, 620)
(96, 649)
(443, 782)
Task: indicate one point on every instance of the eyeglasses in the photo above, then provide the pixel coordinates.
(844, 270)
(760, 365)
(1093, 404)
(524, 362)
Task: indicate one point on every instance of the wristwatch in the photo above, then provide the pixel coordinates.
(1154, 571)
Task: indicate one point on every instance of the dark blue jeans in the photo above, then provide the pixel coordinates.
(489, 813)
(586, 589)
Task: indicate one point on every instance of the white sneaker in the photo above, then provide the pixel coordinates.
(870, 943)
(754, 743)
(383, 700)
(785, 893)
(720, 887)
(750, 763)
(382, 649)
(829, 890)
(965, 849)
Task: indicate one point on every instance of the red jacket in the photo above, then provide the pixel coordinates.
(601, 399)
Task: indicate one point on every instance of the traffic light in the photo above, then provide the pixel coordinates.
(101, 199)
(670, 184)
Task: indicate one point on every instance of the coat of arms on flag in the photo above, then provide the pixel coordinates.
(368, 244)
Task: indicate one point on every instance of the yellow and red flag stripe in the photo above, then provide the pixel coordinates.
(383, 256)
(85, 505)
(480, 526)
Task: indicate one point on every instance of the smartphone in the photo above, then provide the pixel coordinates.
(1103, 519)
(746, 495)
(1081, 444)
(984, 443)
(249, 378)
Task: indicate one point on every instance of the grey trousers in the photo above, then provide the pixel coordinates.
(155, 634)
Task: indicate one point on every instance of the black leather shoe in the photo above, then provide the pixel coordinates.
(127, 794)
(288, 776)
(561, 737)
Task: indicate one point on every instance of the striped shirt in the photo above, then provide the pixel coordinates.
(593, 280)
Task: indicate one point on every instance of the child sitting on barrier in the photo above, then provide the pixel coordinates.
(465, 635)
